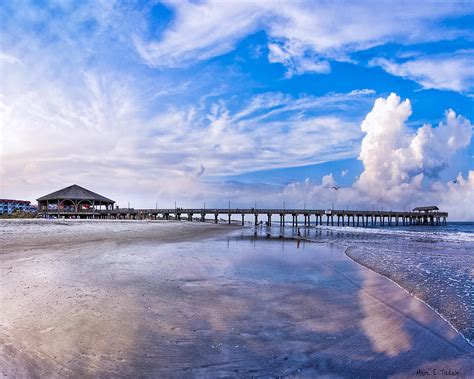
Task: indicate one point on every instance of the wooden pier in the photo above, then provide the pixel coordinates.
(78, 202)
(304, 217)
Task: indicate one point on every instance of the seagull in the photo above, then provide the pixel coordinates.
(335, 188)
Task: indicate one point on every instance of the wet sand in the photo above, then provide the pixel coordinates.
(156, 300)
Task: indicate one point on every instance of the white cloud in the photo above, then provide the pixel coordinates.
(71, 114)
(100, 142)
(453, 72)
(364, 91)
(295, 60)
(344, 172)
(93, 126)
(400, 167)
(68, 116)
(7, 58)
(397, 160)
(458, 197)
(200, 30)
(303, 34)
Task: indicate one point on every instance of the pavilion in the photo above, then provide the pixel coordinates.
(73, 199)
(429, 209)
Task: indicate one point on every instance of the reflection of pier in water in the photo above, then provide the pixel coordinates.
(304, 217)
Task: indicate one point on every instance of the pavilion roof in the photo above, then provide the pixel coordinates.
(429, 208)
(75, 192)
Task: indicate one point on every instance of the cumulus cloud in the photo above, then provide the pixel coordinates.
(396, 159)
(401, 166)
(70, 113)
(141, 168)
(458, 197)
(453, 72)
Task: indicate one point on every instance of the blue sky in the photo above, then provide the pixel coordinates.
(211, 100)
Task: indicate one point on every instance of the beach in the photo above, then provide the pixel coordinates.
(168, 299)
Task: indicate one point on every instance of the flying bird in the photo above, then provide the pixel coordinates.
(335, 188)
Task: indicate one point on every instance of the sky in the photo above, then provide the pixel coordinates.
(256, 103)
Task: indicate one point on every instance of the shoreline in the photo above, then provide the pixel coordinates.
(205, 303)
(346, 248)
(202, 231)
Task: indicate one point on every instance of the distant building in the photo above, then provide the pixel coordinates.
(9, 206)
(73, 200)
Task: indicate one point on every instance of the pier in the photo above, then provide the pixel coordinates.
(304, 217)
(78, 202)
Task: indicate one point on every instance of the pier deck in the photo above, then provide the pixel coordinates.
(333, 217)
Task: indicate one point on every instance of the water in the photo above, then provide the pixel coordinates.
(433, 263)
(121, 302)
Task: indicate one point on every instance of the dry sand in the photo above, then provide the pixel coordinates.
(148, 299)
